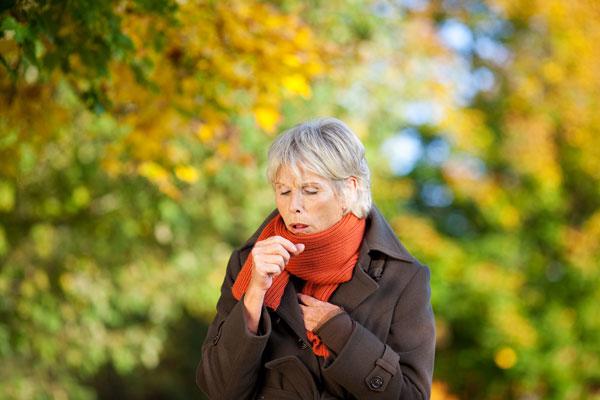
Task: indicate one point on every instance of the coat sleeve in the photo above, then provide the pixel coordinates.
(402, 366)
(231, 354)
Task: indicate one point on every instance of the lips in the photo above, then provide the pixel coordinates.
(297, 227)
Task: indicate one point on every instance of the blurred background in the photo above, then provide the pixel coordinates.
(133, 139)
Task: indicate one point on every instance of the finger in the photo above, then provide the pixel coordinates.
(274, 259)
(289, 246)
(305, 311)
(270, 249)
(269, 254)
(308, 300)
(280, 250)
(270, 269)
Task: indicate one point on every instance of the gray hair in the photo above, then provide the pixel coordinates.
(326, 147)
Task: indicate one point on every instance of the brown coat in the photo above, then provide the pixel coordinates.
(383, 350)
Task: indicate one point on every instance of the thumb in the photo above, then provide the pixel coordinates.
(299, 248)
(308, 300)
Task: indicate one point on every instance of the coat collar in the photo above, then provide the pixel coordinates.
(380, 237)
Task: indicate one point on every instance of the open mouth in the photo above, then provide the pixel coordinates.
(298, 227)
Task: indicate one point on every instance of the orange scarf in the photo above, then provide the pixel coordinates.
(327, 261)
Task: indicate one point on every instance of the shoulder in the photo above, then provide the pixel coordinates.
(401, 273)
(381, 238)
(398, 266)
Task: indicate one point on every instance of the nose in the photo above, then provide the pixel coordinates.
(295, 205)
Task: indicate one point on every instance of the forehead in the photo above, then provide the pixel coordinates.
(298, 176)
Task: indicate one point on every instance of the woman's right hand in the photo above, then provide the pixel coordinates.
(270, 257)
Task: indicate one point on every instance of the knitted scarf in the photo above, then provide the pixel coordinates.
(327, 261)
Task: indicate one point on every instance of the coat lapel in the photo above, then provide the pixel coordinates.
(350, 294)
(379, 237)
(289, 310)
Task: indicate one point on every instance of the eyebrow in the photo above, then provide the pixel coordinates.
(303, 184)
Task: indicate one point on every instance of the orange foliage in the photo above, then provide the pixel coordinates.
(221, 60)
(439, 391)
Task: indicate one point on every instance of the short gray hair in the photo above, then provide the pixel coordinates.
(326, 147)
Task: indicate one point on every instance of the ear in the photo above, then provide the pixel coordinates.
(352, 183)
(351, 192)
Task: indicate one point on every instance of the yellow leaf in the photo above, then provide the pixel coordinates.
(186, 173)
(505, 358)
(303, 37)
(314, 68)
(7, 196)
(291, 60)
(439, 391)
(266, 118)
(297, 84)
(205, 133)
(553, 72)
(509, 217)
(153, 171)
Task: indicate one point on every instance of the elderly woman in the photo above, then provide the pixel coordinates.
(322, 302)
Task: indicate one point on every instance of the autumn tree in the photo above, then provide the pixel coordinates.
(128, 162)
(132, 149)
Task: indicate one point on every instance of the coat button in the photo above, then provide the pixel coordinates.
(216, 339)
(302, 344)
(376, 382)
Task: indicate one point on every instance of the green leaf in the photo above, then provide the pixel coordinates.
(21, 33)
(7, 196)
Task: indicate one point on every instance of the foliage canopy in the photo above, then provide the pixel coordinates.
(132, 149)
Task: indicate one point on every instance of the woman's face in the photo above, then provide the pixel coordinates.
(308, 204)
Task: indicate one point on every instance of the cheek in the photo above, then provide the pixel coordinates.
(317, 203)
(281, 206)
(327, 206)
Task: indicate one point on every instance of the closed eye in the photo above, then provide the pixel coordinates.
(309, 192)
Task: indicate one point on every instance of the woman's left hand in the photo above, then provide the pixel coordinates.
(316, 312)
